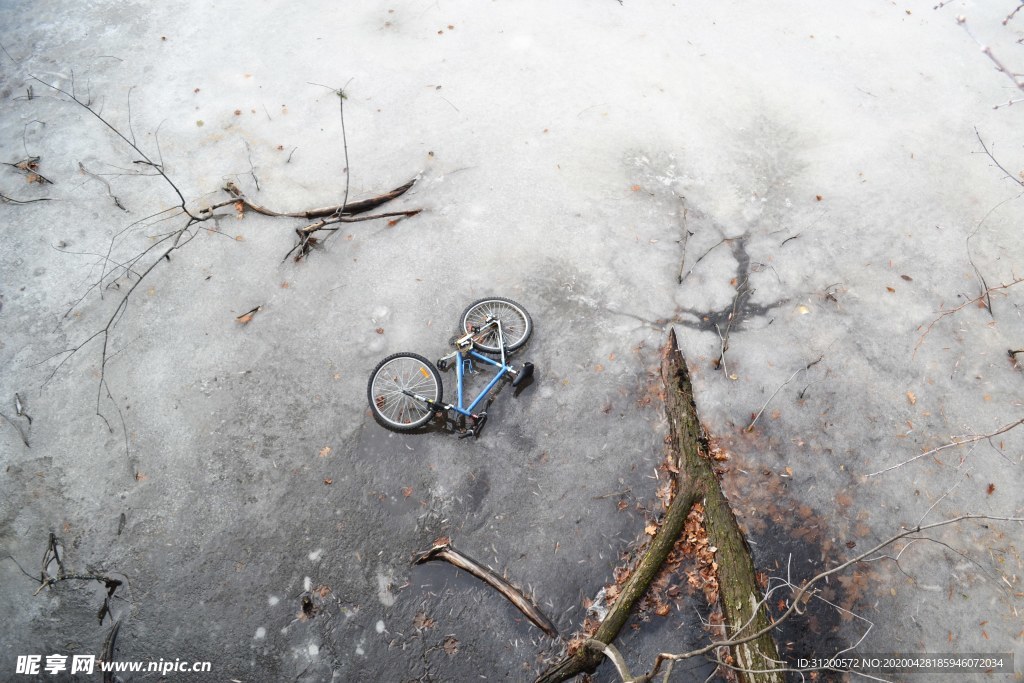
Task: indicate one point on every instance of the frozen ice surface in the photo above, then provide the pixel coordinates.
(581, 158)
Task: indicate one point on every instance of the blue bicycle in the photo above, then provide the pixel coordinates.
(405, 389)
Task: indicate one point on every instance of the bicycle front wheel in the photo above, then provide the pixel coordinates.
(401, 390)
(516, 324)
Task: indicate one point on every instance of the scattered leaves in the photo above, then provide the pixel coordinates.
(325, 451)
(911, 397)
(451, 646)
(407, 491)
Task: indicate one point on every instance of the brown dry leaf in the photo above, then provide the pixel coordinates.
(422, 621)
(907, 278)
(891, 290)
(662, 610)
(328, 481)
(379, 330)
(789, 471)
(285, 285)
(622, 505)
(325, 451)
(239, 238)
(651, 529)
(407, 491)
(246, 317)
(598, 368)
(635, 188)
(451, 646)
(912, 397)
(991, 489)
(139, 476)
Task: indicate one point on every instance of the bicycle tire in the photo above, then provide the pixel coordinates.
(516, 324)
(399, 372)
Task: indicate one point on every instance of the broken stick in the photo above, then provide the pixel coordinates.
(442, 549)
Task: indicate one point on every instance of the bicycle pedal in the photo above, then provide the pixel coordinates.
(524, 374)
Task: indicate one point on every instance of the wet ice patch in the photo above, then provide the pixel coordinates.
(307, 584)
(380, 626)
(313, 649)
(316, 555)
(261, 633)
(273, 600)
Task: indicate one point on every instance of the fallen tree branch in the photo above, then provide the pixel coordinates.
(697, 481)
(350, 209)
(443, 550)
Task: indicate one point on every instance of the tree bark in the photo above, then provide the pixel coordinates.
(697, 481)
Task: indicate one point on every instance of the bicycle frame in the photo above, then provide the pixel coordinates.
(460, 373)
(465, 354)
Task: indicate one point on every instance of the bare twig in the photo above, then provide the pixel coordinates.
(252, 169)
(1014, 12)
(11, 200)
(110, 192)
(955, 442)
(743, 290)
(702, 256)
(30, 167)
(995, 161)
(951, 311)
(684, 211)
(791, 378)
(612, 653)
(17, 427)
(805, 590)
(987, 51)
(85, 104)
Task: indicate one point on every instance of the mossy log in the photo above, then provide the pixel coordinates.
(697, 481)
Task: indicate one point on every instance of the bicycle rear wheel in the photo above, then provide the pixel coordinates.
(399, 389)
(516, 325)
